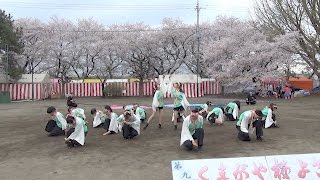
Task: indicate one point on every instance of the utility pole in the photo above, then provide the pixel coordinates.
(7, 62)
(32, 84)
(198, 45)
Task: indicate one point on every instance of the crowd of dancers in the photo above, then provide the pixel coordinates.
(75, 125)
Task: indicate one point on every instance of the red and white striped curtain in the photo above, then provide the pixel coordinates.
(41, 91)
(132, 89)
(24, 91)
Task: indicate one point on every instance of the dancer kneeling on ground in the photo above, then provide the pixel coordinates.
(57, 125)
(268, 117)
(157, 104)
(77, 137)
(251, 99)
(130, 124)
(204, 109)
(98, 118)
(192, 133)
(216, 115)
(139, 112)
(232, 110)
(127, 107)
(111, 123)
(249, 119)
(78, 112)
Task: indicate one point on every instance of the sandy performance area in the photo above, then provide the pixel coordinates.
(27, 153)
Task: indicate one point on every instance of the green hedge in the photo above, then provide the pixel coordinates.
(113, 90)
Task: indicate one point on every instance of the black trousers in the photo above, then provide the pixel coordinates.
(212, 118)
(53, 129)
(251, 101)
(106, 125)
(70, 131)
(204, 115)
(100, 125)
(245, 136)
(73, 143)
(142, 120)
(198, 135)
(273, 117)
(230, 117)
(128, 132)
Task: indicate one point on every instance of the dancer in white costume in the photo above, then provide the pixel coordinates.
(77, 138)
(98, 118)
(204, 109)
(139, 112)
(232, 110)
(157, 105)
(129, 123)
(248, 121)
(192, 133)
(268, 117)
(180, 103)
(216, 116)
(75, 111)
(111, 123)
(58, 124)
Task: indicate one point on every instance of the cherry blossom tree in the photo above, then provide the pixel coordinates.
(138, 56)
(34, 55)
(302, 16)
(239, 52)
(171, 46)
(87, 46)
(231, 50)
(58, 34)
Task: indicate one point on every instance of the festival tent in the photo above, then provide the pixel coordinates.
(301, 83)
(271, 80)
(37, 78)
(91, 81)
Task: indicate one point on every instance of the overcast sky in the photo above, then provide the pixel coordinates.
(122, 11)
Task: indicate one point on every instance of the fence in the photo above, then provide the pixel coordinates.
(42, 91)
(24, 91)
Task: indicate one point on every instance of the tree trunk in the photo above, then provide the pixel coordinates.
(141, 87)
(62, 86)
(103, 84)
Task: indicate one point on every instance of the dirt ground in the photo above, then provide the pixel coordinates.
(27, 153)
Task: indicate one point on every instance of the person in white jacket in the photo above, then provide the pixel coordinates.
(268, 116)
(129, 124)
(111, 123)
(75, 111)
(58, 124)
(216, 116)
(157, 105)
(98, 118)
(139, 112)
(77, 138)
(192, 133)
(248, 121)
(203, 111)
(232, 110)
(181, 104)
